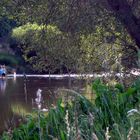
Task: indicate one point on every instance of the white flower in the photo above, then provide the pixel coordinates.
(39, 106)
(107, 134)
(67, 123)
(38, 94)
(44, 110)
(130, 114)
(37, 100)
(132, 111)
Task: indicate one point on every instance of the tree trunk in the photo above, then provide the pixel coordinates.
(125, 14)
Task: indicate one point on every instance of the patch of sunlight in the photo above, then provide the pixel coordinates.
(88, 93)
(112, 82)
(19, 110)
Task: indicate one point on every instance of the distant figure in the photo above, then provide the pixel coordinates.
(24, 76)
(14, 73)
(2, 71)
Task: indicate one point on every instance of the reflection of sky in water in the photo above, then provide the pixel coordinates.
(17, 96)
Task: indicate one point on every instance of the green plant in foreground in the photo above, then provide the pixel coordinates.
(113, 115)
(113, 105)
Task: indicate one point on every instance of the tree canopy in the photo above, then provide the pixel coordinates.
(127, 11)
(68, 34)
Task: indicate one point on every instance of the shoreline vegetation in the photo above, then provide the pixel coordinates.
(113, 114)
(134, 72)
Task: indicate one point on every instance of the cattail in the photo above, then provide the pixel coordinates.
(94, 137)
(79, 135)
(67, 123)
(107, 136)
(130, 133)
(38, 94)
(91, 118)
(38, 102)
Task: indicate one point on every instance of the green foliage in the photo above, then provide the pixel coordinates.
(47, 48)
(62, 28)
(114, 113)
(6, 26)
(79, 42)
(114, 103)
(23, 32)
(37, 42)
(8, 59)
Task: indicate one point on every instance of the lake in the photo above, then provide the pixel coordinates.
(17, 96)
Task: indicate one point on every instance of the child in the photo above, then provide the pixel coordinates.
(0, 70)
(3, 71)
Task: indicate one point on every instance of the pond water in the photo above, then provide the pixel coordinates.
(17, 96)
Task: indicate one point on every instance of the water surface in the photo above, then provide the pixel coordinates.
(17, 96)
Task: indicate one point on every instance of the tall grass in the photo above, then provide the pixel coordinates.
(113, 115)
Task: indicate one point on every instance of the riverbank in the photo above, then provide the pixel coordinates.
(74, 75)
